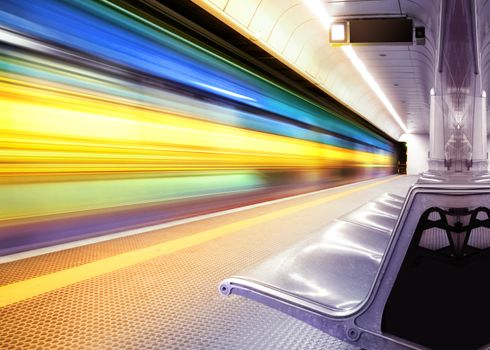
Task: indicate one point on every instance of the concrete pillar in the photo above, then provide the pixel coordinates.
(480, 134)
(436, 134)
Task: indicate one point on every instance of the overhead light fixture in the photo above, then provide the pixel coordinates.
(338, 33)
(361, 68)
(373, 31)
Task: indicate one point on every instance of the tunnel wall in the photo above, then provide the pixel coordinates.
(417, 152)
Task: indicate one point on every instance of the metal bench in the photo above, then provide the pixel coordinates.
(362, 278)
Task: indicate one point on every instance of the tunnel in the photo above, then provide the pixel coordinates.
(244, 174)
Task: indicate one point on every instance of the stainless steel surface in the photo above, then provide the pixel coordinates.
(391, 199)
(333, 268)
(375, 215)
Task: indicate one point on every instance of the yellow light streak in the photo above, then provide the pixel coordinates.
(57, 131)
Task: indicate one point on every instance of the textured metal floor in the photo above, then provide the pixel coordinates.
(171, 301)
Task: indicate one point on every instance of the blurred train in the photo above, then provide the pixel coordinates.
(110, 121)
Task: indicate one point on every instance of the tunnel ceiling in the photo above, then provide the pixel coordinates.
(288, 29)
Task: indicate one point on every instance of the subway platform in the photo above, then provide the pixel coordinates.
(156, 288)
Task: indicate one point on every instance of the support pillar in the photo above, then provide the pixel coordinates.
(436, 134)
(480, 161)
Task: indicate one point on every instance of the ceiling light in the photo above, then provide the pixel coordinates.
(356, 61)
(338, 32)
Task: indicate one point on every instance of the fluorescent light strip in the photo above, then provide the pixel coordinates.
(317, 8)
(356, 61)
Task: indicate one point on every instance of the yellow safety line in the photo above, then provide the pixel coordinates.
(19, 291)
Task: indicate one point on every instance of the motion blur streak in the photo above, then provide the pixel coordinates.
(110, 122)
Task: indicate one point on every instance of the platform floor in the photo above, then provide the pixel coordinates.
(158, 290)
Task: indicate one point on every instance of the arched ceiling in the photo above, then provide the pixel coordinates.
(290, 31)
